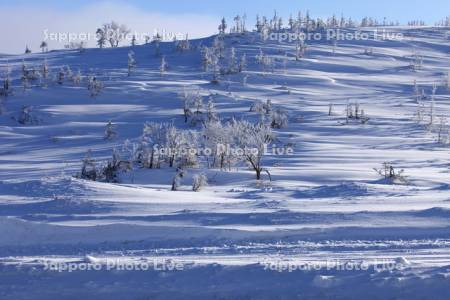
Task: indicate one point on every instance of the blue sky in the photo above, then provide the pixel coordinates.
(196, 17)
(402, 10)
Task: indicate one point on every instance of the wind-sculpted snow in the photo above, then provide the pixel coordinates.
(237, 238)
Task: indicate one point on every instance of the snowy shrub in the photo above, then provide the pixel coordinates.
(163, 142)
(94, 86)
(113, 33)
(183, 45)
(261, 107)
(416, 62)
(28, 73)
(211, 113)
(420, 112)
(257, 106)
(200, 181)
(278, 119)
(215, 137)
(114, 167)
(157, 42)
(110, 133)
(61, 75)
(76, 78)
(300, 50)
(6, 90)
(243, 63)
(192, 105)
(265, 61)
(353, 111)
(88, 168)
(206, 58)
(417, 92)
(210, 60)
(368, 51)
(390, 174)
(188, 144)
(176, 181)
(68, 72)
(443, 131)
(26, 116)
(232, 62)
(197, 116)
(215, 70)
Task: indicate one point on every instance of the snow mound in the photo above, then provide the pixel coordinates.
(344, 190)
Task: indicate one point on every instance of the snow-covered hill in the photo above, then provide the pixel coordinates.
(237, 237)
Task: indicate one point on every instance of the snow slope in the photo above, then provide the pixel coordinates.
(237, 238)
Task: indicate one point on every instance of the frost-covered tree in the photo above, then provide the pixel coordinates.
(215, 69)
(172, 143)
(131, 62)
(197, 113)
(77, 77)
(89, 168)
(416, 62)
(68, 72)
(417, 93)
(176, 181)
(207, 58)
(157, 42)
(45, 70)
(188, 149)
(443, 131)
(163, 65)
(111, 170)
(433, 95)
(300, 49)
(199, 182)
(232, 62)
(44, 46)
(252, 139)
(101, 37)
(95, 86)
(192, 102)
(26, 116)
(216, 137)
(153, 138)
(183, 45)
(243, 63)
(114, 33)
(223, 26)
(219, 46)
(211, 112)
(278, 119)
(265, 61)
(7, 88)
(61, 75)
(210, 62)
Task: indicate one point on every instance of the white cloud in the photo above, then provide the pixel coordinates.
(21, 26)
